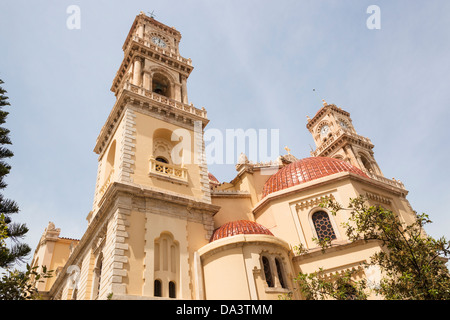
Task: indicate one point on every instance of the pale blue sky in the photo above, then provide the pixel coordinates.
(255, 66)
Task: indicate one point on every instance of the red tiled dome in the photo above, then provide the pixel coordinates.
(212, 179)
(239, 227)
(305, 170)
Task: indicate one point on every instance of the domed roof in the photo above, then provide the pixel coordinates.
(233, 228)
(305, 170)
(212, 179)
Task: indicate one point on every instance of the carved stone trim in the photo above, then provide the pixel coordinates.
(312, 202)
(378, 198)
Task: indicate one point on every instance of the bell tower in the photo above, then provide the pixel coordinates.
(335, 137)
(152, 60)
(153, 137)
(152, 197)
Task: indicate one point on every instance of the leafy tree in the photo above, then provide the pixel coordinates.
(412, 263)
(319, 286)
(15, 231)
(14, 284)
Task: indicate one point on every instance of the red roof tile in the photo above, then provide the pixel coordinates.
(239, 227)
(305, 170)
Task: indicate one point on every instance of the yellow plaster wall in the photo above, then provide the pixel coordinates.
(135, 253)
(232, 209)
(225, 276)
(145, 128)
(59, 253)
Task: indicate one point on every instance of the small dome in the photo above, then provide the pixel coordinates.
(213, 180)
(239, 227)
(305, 170)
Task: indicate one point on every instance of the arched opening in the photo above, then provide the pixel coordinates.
(365, 163)
(157, 288)
(161, 85)
(172, 290)
(280, 272)
(162, 145)
(267, 272)
(161, 159)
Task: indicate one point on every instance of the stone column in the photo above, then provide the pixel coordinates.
(137, 72)
(184, 97)
(177, 92)
(350, 154)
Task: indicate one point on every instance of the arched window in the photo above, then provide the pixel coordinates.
(323, 226)
(172, 290)
(280, 272)
(267, 271)
(166, 264)
(157, 288)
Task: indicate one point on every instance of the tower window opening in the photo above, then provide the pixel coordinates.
(161, 85)
(366, 164)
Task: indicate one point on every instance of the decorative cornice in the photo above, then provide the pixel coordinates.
(340, 138)
(384, 185)
(229, 194)
(378, 198)
(312, 202)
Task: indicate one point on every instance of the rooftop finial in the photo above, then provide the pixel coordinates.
(287, 149)
(324, 102)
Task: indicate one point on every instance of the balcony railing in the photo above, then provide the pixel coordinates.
(168, 171)
(164, 100)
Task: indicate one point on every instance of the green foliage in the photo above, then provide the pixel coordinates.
(319, 286)
(412, 263)
(14, 284)
(14, 231)
(21, 285)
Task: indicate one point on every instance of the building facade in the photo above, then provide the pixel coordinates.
(163, 227)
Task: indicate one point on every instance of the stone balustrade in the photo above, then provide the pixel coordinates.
(168, 171)
(392, 182)
(167, 101)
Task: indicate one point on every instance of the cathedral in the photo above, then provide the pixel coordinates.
(163, 227)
